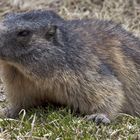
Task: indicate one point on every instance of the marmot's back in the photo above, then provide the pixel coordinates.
(119, 52)
(89, 65)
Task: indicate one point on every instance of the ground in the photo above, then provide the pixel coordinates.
(60, 123)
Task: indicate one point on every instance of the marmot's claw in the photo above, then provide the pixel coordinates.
(98, 118)
(8, 113)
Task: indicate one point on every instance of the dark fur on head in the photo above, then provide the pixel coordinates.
(36, 40)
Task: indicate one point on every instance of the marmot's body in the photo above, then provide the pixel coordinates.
(92, 66)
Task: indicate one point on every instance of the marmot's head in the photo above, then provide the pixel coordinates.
(32, 40)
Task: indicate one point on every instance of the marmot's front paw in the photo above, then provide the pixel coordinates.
(8, 113)
(98, 118)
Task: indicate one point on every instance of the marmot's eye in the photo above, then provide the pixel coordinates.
(23, 33)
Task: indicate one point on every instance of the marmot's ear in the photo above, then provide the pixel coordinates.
(55, 31)
(51, 31)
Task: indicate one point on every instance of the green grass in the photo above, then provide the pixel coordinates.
(60, 124)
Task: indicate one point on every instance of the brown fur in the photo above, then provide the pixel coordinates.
(104, 78)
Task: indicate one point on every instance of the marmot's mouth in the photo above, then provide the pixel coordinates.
(3, 57)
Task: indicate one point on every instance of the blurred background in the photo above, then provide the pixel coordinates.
(126, 12)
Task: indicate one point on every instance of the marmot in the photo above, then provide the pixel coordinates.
(89, 65)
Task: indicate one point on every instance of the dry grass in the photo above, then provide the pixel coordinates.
(60, 123)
